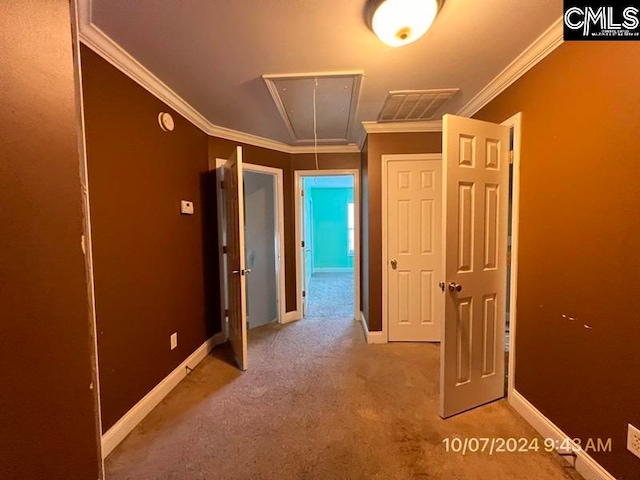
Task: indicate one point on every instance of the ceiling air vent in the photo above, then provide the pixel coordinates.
(414, 105)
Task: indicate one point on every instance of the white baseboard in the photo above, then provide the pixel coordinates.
(585, 465)
(372, 337)
(333, 270)
(292, 316)
(133, 417)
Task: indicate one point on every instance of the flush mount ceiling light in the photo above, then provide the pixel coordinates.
(399, 22)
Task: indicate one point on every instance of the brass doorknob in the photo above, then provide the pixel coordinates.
(394, 264)
(455, 287)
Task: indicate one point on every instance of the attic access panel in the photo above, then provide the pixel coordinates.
(415, 105)
(335, 106)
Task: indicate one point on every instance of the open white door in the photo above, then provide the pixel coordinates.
(476, 184)
(236, 281)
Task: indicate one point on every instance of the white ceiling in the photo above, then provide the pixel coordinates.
(213, 53)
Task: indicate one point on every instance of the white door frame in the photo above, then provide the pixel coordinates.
(385, 197)
(278, 183)
(514, 122)
(298, 175)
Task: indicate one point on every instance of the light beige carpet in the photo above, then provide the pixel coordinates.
(330, 295)
(318, 403)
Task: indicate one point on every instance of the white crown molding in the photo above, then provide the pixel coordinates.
(94, 38)
(98, 41)
(362, 138)
(537, 51)
(349, 148)
(403, 127)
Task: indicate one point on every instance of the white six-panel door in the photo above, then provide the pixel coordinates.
(476, 184)
(414, 252)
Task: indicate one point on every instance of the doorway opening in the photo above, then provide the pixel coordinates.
(328, 257)
(250, 200)
(261, 248)
(515, 148)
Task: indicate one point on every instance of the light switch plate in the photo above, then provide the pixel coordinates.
(186, 207)
(174, 340)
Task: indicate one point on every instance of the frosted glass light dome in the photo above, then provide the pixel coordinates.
(400, 22)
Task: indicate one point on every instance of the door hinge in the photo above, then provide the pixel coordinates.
(225, 249)
(511, 157)
(226, 312)
(304, 294)
(222, 185)
(302, 192)
(302, 243)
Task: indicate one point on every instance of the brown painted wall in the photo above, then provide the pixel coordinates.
(382, 144)
(49, 427)
(579, 234)
(149, 274)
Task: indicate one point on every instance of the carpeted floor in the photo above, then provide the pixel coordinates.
(317, 403)
(330, 295)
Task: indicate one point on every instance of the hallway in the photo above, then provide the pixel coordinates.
(331, 295)
(318, 403)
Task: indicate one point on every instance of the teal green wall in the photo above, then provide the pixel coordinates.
(330, 233)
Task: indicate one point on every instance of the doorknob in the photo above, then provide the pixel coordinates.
(394, 264)
(455, 287)
(442, 286)
(242, 272)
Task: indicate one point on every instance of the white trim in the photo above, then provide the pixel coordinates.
(133, 417)
(362, 139)
(94, 38)
(516, 123)
(349, 148)
(403, 127)
(278, 179)
(536, 52)
(385, 165)
(332, 270)
(371, 337)
(98, 41)
(585, 464)
(298, 174)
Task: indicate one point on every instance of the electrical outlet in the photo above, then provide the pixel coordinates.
(174, 340)
(186, 207)
(633, 440)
